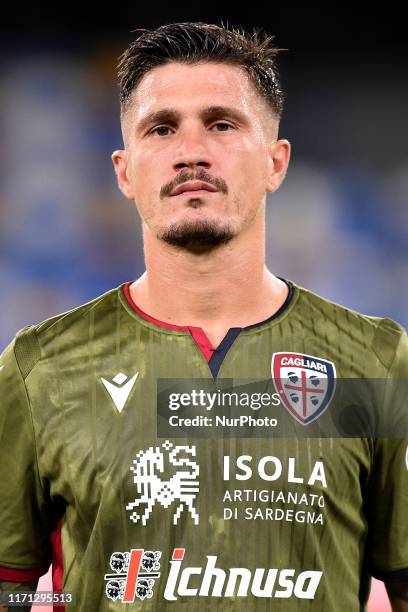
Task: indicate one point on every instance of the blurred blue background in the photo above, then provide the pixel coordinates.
(338, 225)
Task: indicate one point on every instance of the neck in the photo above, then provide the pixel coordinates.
(228, 287)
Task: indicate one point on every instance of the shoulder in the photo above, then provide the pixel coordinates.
(68, 330)
(382, 336)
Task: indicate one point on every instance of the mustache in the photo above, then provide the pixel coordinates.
(187, 175)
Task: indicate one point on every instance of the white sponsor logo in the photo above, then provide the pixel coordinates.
(238, 581)
(118, 389)
(270, 468)
(183, 486)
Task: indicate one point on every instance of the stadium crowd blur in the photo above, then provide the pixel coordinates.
(338, 224)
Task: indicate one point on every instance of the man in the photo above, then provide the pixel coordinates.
(238, 517)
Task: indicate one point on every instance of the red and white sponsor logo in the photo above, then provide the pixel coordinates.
(210, 581)
(134, 575)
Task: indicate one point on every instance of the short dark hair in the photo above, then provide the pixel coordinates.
(197, 42)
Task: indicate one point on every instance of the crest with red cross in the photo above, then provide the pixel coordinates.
(305, 384)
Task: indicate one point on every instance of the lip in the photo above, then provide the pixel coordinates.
(191, 187)
(194, 192)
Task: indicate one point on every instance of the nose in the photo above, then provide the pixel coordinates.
(191, 149)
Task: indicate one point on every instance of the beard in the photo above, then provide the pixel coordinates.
(197, 237)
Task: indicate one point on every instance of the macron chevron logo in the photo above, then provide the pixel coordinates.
(119, 388)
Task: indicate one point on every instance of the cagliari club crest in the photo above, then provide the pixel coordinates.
(305, 384)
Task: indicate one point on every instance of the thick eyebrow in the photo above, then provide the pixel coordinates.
(172, 115)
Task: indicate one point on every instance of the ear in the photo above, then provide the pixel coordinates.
(120, 163)
(278, 161)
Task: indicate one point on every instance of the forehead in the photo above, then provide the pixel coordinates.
(195, 85)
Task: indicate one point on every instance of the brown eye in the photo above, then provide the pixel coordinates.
(224, 124)
(160, 127)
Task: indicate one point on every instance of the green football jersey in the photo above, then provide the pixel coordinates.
(93, 481)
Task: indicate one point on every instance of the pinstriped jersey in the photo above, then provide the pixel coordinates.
(225, 522)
